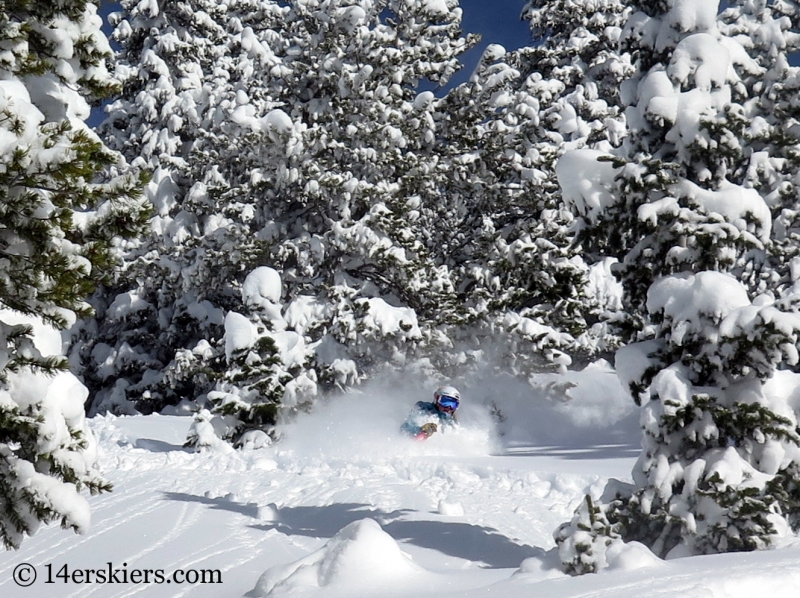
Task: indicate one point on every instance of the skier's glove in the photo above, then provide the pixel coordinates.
(428, 430)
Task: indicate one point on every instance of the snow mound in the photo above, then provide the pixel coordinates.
(360, 557)
(629, 556)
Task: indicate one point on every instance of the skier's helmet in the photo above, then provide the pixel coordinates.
(447, 398)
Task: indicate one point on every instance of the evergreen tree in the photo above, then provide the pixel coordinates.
(761, 136)
(139, 353)
(308, 134)
(685, 205)
(511, 240)
(57, 228)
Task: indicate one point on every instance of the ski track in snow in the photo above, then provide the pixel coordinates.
(252, 510)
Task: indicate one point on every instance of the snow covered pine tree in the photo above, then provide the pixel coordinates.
(510, 241)
(687, 205)
(56, 230)
(288, 139)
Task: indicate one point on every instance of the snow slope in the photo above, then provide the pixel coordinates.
(343, 506)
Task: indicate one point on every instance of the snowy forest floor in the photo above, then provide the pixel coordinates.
(466, 514)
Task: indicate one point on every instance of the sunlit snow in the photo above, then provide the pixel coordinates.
(346, 506)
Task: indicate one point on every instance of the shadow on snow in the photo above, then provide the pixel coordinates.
(600, 452)
(457, 539)
(157, 446)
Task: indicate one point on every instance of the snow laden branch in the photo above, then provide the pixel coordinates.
(57, 227)
(690, 206)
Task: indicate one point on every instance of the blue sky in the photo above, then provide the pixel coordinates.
(498, 22)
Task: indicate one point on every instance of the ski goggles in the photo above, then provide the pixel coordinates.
(448, 403)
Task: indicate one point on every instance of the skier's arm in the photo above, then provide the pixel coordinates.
(418, 423)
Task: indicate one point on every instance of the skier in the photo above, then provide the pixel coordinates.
(427, 418)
